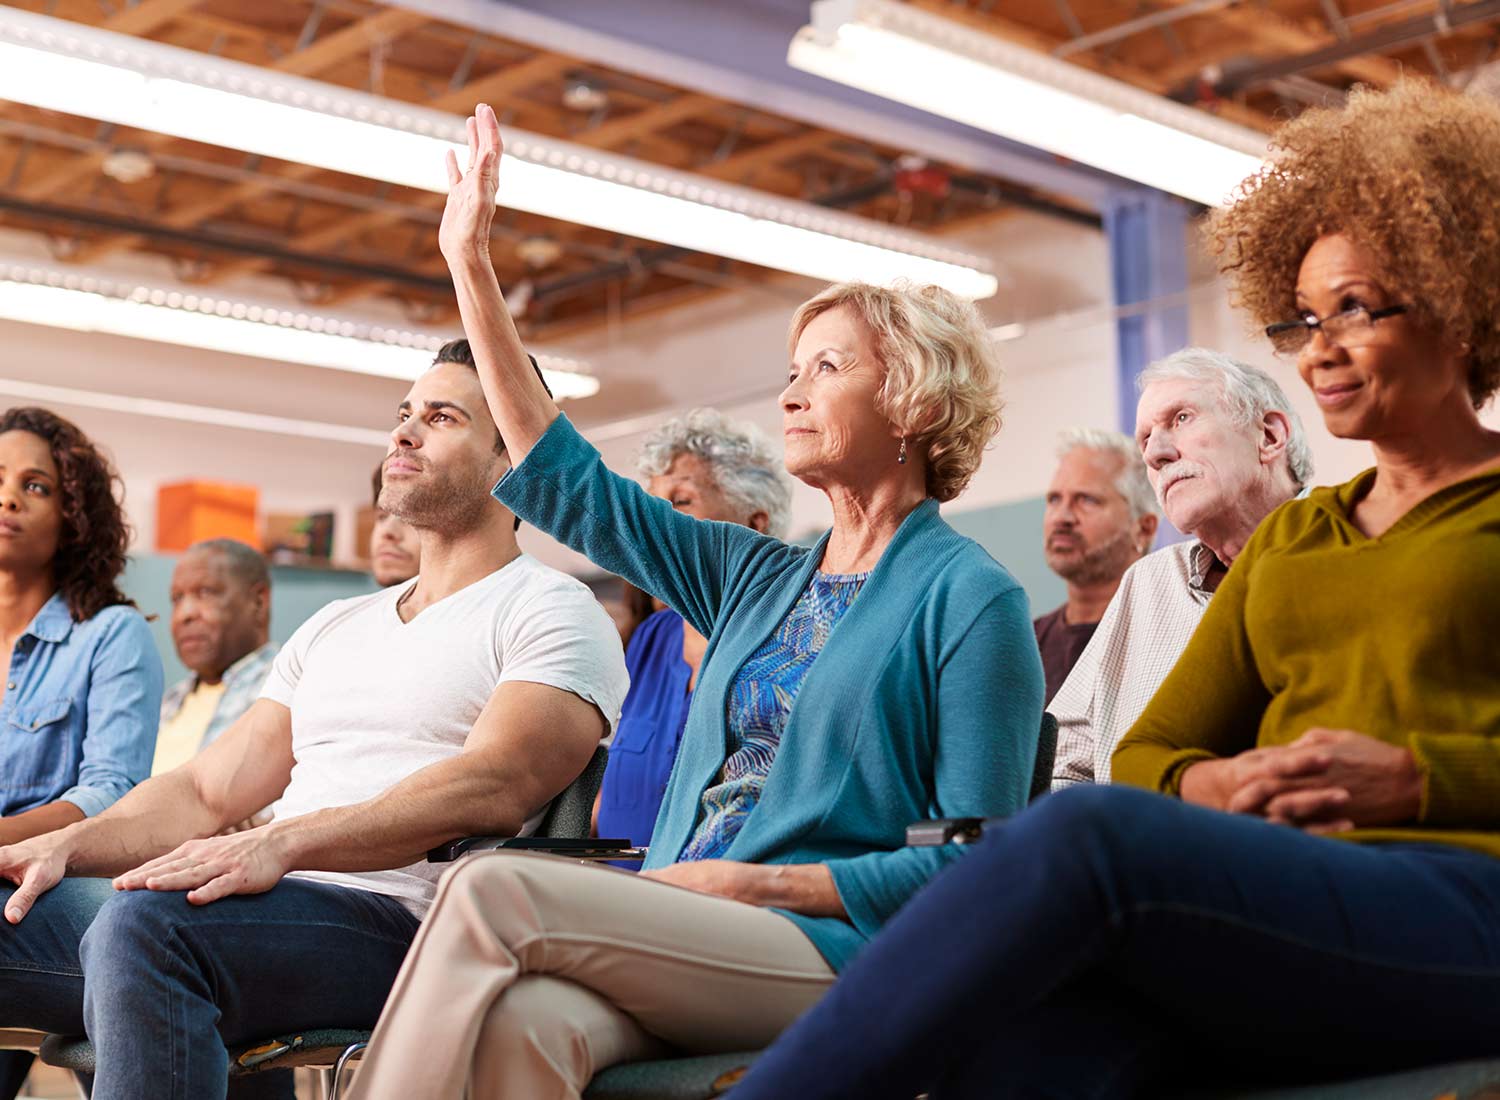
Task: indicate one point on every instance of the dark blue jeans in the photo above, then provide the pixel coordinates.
(1107, 935)
(162, 987)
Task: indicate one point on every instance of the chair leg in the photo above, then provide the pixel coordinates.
(350, 1052)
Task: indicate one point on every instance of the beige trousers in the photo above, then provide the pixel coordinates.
(532, 973)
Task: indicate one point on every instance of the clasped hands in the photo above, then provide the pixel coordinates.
(1327, 781)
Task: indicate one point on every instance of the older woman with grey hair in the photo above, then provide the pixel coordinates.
(883, 675)
(711, 468)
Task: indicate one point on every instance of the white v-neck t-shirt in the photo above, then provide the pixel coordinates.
(374, 699)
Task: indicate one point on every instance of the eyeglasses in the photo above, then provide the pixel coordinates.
(1348, 329)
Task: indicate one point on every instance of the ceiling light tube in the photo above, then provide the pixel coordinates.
(84, 303)
(80, 70)
(944, 67)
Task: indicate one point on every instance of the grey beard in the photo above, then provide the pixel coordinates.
(1101, 563)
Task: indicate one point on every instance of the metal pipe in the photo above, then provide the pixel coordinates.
(1139, 24)
(1394, 36)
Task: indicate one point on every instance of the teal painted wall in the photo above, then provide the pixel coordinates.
(1012, 533)
(295, 594)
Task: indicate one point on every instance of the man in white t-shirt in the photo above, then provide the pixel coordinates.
(459, 703)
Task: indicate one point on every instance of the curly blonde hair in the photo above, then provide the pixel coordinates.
(1413, 176)
(941, 387)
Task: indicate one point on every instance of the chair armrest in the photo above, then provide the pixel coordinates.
(591, 848)
(945, 830)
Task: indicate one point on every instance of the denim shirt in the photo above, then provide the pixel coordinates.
(82, 700)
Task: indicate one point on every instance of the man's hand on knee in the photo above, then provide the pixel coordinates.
(35, 866)
(214, 867)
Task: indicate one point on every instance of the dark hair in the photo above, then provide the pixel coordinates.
(245, 563)
(459, 351)
(94, 537)
(376, 481)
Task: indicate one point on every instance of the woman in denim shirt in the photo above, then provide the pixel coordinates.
(708, 467)
(84, 682)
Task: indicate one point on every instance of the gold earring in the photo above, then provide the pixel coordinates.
(901, 455)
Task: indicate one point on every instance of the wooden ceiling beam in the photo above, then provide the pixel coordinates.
(148, 15)
(1290, 36)
(321, 54)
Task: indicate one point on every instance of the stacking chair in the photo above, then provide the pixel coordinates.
(564, 829)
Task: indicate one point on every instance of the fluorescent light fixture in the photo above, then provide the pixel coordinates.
(71, 300)
(194, 414)
(80, 70)
(909, 55)
(1013, 331)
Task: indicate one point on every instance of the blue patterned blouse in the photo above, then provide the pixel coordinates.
(760, 700)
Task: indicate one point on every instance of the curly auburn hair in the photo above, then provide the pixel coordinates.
(942, 374)
(94, 537)
(1413, 176)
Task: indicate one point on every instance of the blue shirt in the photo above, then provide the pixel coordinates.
(650, 727)
(760, 702)
(78, 722)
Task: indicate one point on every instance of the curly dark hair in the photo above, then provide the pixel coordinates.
(91, 546)
(1413, 176)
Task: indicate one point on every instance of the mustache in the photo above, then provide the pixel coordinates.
(1176, 471)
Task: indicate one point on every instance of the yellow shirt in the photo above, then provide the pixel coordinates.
(1319, 624)
(181, 736)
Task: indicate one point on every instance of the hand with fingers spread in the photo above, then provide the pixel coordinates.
(214, 867)
(35, 866)
(464, 234)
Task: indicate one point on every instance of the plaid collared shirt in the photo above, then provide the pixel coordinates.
(1144, 630)
(242, 684)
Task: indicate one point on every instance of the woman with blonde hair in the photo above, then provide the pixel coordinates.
(886, 674)
(1317, 893)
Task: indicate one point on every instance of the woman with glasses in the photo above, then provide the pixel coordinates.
(1318, 893)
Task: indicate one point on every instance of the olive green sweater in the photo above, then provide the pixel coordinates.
(1317, 624)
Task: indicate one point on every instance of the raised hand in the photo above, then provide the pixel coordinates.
(464, 234)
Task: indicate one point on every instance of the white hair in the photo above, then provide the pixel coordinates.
(1249, 393)
(1132, 482)
(738, 456)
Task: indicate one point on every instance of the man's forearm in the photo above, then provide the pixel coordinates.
(149, 821)
(440, 803)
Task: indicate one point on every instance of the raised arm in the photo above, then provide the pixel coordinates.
(243, 770)
(518, 401)
(562, 486)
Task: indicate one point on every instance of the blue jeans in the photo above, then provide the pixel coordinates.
(1107, 934)
(162, 987)
(41, 981)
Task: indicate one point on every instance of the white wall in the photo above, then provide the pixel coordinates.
(727, 351)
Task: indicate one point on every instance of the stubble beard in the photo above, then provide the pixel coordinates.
(1097, 564)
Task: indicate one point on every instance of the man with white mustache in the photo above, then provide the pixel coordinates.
(1223, 449)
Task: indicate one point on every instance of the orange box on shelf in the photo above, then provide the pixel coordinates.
(191, 511)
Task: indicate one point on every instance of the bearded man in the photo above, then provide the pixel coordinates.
(1101, 519)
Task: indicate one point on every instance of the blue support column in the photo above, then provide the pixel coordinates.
(1148, 249)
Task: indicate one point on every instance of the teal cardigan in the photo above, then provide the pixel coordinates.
(925, 701)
